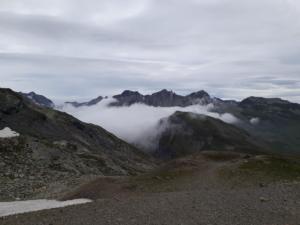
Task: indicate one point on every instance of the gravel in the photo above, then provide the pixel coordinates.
(240, 206)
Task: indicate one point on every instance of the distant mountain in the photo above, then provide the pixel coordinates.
(163, 98)
(89, 103)
(189, 133)
(38, 99)
(55, 147)
(273, 119)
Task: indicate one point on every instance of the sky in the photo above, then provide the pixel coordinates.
(80, 49)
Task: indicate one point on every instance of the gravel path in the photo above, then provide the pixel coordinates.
(276, 204)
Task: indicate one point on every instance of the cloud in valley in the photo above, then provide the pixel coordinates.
(138, 123)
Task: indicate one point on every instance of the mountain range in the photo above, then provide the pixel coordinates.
(163, 98)
(52, 146)
(275, 120)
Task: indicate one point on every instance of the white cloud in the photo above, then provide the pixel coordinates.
(100, 13)
(138, 123)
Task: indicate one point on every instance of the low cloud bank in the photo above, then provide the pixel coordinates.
(138, 123)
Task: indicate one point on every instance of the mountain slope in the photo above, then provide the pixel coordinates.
(189, 133)
(55, 146)
(273, 119)
(38, 99)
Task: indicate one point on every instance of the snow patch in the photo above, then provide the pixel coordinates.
(8, 133)
(17, 207)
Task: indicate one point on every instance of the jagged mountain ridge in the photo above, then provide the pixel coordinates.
(274, 119)
(163, 98)
(92, 102)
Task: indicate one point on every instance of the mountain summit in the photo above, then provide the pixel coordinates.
(163, 98)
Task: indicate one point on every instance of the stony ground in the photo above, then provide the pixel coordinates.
(200, 190)
(272, 205)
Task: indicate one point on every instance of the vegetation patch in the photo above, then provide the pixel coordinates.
(161, 180)
(276, 168)
(263, 169)
(221, 156)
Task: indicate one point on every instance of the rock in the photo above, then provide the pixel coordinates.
(7, 174)
(247, 156)
(158, 178)
(261, 185)
(263, 199)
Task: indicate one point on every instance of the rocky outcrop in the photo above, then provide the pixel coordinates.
(38, 99)
(128, 98)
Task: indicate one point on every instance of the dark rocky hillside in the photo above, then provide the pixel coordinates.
(38, 99)
(54, 146)
(273, 119)
(189, 133)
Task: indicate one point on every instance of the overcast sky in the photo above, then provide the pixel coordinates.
(76, 49)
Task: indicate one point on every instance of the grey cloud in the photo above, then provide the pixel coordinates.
(82, 48)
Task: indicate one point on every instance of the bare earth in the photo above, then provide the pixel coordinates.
(193, 191)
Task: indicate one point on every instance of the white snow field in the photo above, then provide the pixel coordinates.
(8, 133)
(17, 207)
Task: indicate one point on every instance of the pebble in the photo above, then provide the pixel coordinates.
(262, 199)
